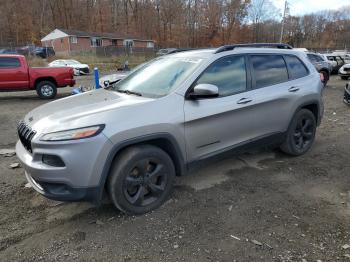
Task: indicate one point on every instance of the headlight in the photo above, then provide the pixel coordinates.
(73, 134)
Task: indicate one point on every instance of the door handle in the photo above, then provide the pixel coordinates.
(243, 101)
(293, 89)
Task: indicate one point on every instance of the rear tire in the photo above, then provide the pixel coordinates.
(301, 133)
(141, 179)
(46, 89)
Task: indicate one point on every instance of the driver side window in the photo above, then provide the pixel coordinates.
(228, 74)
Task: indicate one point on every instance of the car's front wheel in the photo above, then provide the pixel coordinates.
(141, 179)
(301, 133)
(46, 89)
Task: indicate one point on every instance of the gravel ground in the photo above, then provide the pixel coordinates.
(259, 206)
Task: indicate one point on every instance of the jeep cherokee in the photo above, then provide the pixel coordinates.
(132, 138)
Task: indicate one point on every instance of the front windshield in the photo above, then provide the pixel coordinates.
(158, 77)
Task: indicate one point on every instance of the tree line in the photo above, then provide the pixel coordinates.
(174, 23)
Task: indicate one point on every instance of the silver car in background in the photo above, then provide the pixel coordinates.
(130, 140)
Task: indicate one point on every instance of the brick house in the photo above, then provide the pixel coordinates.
(67, 41)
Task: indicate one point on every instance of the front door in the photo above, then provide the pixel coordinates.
(214, 124)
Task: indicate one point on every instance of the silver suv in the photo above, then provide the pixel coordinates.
(131, 139)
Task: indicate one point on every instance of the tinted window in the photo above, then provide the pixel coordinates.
(269, 70)
(228, 74)
(9, 62)
(318, 58)
(339, 59)
(311, 58)
(296, 68)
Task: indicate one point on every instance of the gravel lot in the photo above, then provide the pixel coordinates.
(260, 206)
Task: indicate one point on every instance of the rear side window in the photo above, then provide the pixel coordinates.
(312, 58)
(228, 74)
(319, 59)
(296, 68)
(9, 62)
(269, 70)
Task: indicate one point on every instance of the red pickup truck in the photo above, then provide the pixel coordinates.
(16, 75)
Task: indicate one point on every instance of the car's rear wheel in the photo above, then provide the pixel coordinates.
(46, 89)
(301, 133)
(141, 179)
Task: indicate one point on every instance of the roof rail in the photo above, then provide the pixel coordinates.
(257, 45)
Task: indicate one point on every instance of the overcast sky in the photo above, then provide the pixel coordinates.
(300, 7)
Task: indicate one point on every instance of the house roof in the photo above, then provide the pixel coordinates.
(79, 33)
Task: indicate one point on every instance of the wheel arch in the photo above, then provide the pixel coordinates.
(314, 107)
(47, 78)
(164, 141)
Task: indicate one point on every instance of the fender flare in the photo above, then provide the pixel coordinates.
(134, 141)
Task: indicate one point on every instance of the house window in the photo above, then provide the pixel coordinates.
(150, 45)
(73, 39)
(128, 43)
(114, 42)
(96, 42)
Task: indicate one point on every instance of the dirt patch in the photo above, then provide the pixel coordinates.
(260, 206)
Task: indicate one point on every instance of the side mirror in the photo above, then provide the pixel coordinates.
(204, 91)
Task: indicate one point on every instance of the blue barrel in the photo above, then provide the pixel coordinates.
(97, 78)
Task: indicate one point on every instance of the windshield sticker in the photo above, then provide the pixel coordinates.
(191, 60)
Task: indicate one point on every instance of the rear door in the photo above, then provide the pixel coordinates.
(274, 95)
(13, 75)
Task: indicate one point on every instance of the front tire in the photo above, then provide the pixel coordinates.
(141, 179)
(46, 89)
(301, 133)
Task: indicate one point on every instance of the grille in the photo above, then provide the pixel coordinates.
(25, 134)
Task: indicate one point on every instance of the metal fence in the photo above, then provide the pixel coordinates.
(117, 51)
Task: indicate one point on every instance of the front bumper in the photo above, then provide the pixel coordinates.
(344, 73)
(80, 177)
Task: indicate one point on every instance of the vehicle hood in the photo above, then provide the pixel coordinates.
(79, 66)
(70, 66)
(80, 110)
(346, 66)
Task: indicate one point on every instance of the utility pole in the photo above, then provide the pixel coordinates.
(283, 20)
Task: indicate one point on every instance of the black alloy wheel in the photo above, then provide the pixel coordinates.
(301, 133)
(141, 179)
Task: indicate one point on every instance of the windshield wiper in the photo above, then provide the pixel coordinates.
(129, 92)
